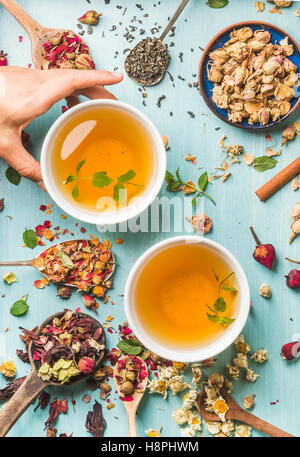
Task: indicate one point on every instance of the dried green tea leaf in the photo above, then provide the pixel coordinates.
(10, 277)
(19, 308)
(65, 259)
(264, 163)
(130, 347)
(30, 238)
(13, 176)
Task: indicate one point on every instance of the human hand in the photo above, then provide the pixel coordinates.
(27, 93)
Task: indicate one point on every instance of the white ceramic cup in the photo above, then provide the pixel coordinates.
(133, 209)
(229, 334)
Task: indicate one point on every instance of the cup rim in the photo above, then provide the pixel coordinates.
(131, 211)
(213, 348)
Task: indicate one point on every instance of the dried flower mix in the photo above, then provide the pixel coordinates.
(67, 347)
(130, 374)
(260, 356)
(243, 431)
(253, 78)
(85, 264)
(66, 51)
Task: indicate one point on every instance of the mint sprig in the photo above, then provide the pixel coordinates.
(220, 305)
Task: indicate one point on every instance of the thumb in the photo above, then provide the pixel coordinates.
(26, 165)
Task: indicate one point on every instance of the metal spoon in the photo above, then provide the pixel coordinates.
(34, 385)
(36, 263)
(235, 412)
(161, 38)
(131, 406)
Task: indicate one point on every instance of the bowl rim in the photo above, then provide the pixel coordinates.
(208, 101)
(130, 212)
(187, 355)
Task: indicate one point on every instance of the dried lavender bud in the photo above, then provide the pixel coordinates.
(64, 292)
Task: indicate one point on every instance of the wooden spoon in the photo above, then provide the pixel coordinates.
(235, 412)
(34, 385)
(131, 406)
(162, 37)
(36, 263)
(38, 34)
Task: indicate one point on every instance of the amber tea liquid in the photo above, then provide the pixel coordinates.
(111, 141)
(171, 293)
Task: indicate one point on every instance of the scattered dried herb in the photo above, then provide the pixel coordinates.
(175, 184)
(220, 304)
(13, 176)
(90, 18)
(19, 308)
(95, 422)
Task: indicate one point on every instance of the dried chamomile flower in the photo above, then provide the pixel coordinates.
(8, 369)
(180, 366)
(180, 416)
(228, 385)
(248, 401)
(248, 159)
(194, 421)
(297, 12)
(197, 374)
(213, 427)
(176, 384)
(233, 371)
(212, 394)
(187, 432)
(259, 6)
(220, 407)
(189, 399)
(158, 386)
(250, 375)
(243, 431)
(227, 428)
(216, 379)
(260, 356)
(265, 290)
(153, 433)
(241, 345)
(240, 360)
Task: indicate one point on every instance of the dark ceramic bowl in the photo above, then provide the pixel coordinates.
(218, 41)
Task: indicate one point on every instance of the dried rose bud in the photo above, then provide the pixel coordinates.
(290, 351)
(1, 204)
(264, 254)
(127, 388)
(90, 302)
(84, 62)
(90, 18)
(64, 292)
(3, 59)
(293, 279)
(86, 365)
(288, 134)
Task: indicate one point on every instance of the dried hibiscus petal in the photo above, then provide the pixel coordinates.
(3, 59)
(264, 254)
(95, 422)
(11, 388)
(56, 408)
(43, 400)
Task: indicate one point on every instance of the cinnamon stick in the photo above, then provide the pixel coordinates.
(279, 180)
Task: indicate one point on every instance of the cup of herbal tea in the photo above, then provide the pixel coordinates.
(103, 162)
(187, 299)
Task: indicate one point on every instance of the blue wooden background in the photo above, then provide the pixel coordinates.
(271, 323)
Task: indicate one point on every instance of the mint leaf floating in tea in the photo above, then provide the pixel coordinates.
(13, 176)
(127, 176)
(264, 163)
(30, 238)
(217, 3)
(220, 305)
(100, 179)
(20, 307)
(119, 192)
(75, 192)
(79, 165)
(130, 346)
(175, 184)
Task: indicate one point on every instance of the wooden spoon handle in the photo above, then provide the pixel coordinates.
(131, 423)
(17, 263)
(15, 407)
(32, 27)
(260, 424)
(174, 19)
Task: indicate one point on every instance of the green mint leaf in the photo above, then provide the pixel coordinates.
(79, 165)
(127, 176)
(119, 196)
(213, 310)
(215, 275)
(217, 3)
(65, 259)
(213, 317)
(224, 280)
(13, 176)
(75, 192)
(220, 305)
(264, 163)
(229, 288)
(30, 238)
(210, 198)
(19, 308)
(225, 320)
(100, 179)
(203, 180)
(130, 347)
(70, 178)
